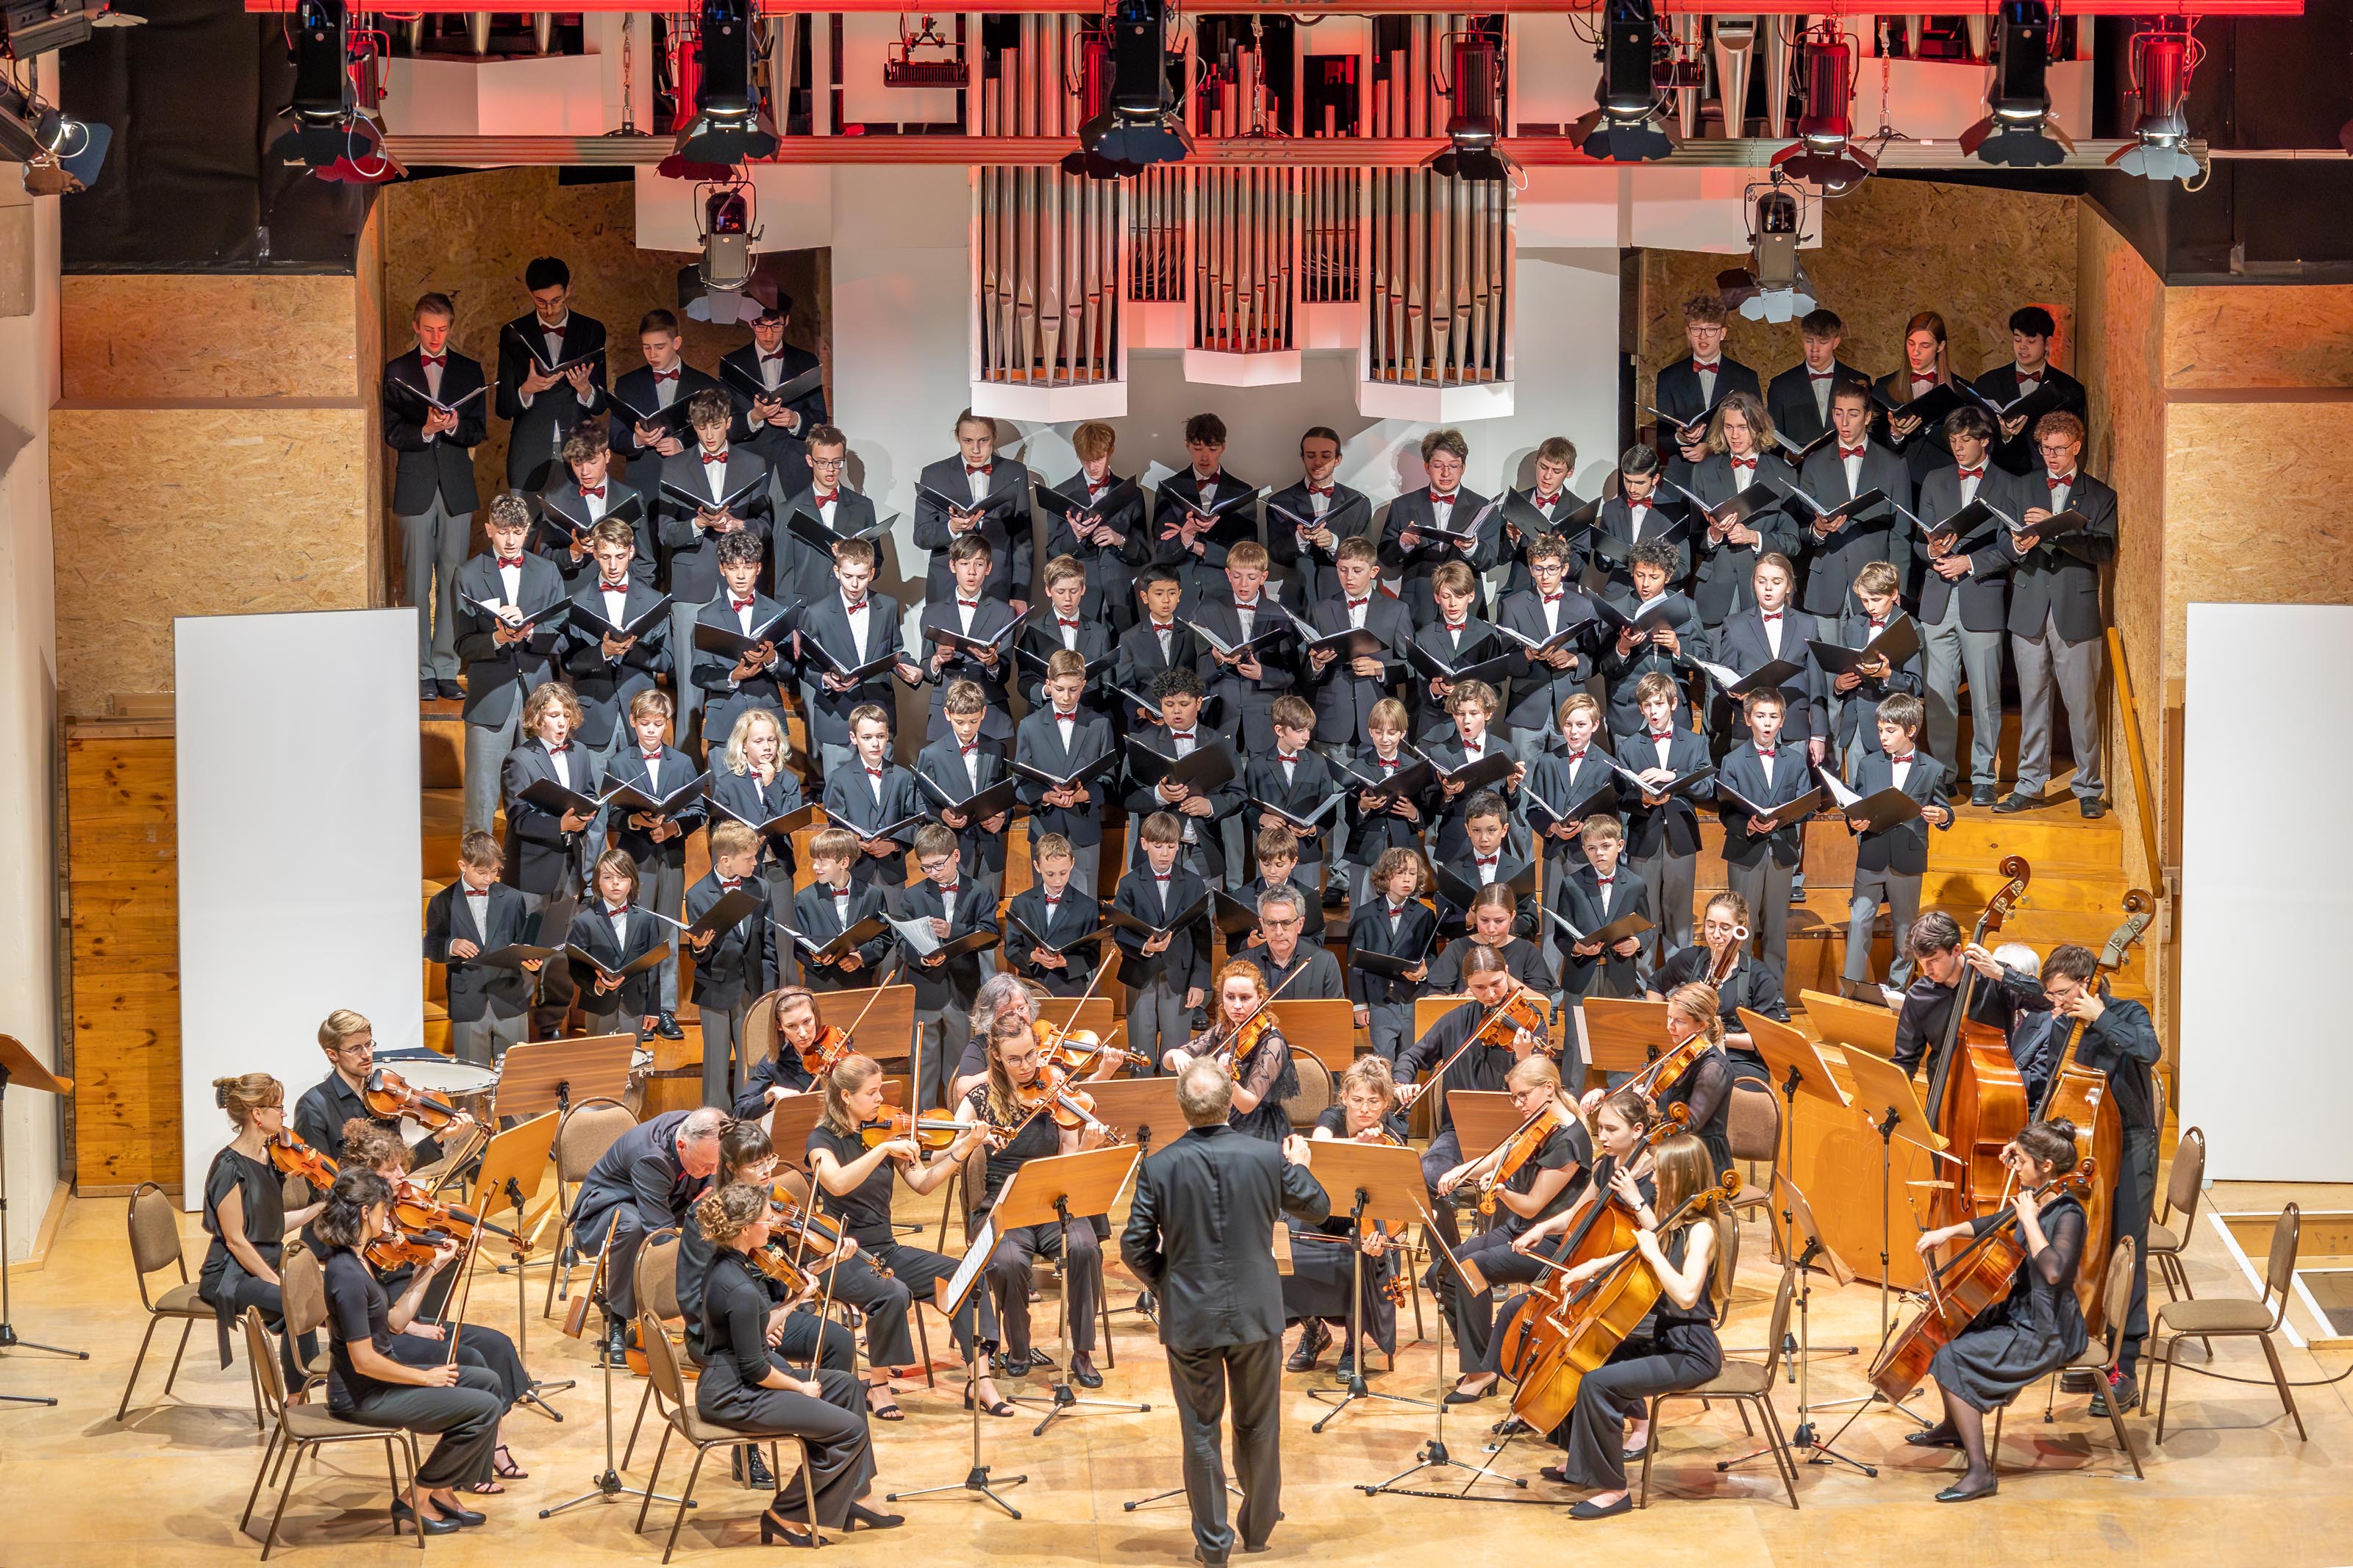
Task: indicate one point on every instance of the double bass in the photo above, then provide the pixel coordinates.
(2081, 1095)
(1976, 1099)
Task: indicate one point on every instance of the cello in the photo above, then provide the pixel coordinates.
(1977, 1100)
(2081, 1095)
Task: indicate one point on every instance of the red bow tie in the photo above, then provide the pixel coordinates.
(743, 603)
(506, 560)
(1852, 451)
(1485, 860)
(949, 891)
(1396, 911)
(1164, 627)
(1547, 501)
(1205, 480)
(1744, 462)
(1355, 603)
(1876, 623)
(1552, 598)
(1603, 881)
(729, 884)
(1767, 752)
(665, 376)
(1062, 718)
(1286, 757)
(1250, 605)
(433, 359)
(1662, 734)
(985, 467)
(620, 587)
(1065, 621)
(1923, 381)
(1180, 735)
(1707, 369)
(969, 604)
(1574, 758)
(557, 751)
(1160, 875)
(1636, 505)
(1319, 490)
(596, 490)
(2061, 481)
(853, 606)
(650, 756)
(1976, 473)
(824, 498)
(967, 751)
(777, 355)
(719, 456)
(1438, 500)
(874, 773)
(1905, 758)
(614, 911)
(1771, 615)
(1821, 376)
(1456, 626)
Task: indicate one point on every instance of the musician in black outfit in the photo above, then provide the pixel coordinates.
(1220, 1299)
(245, 1215)
(742, 1388)
(1363, 1109)
(369, 1388)
(1750, 982)
(782, 1073)
(348, 1041)
(1705, 1088)
(1263, 1075)
(643, 1184)
(1484, 1066)
(1942, 956)
(854, 1182)
(2034, 1331)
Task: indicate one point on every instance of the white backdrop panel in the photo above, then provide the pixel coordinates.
(2264, 865)
(299, 847)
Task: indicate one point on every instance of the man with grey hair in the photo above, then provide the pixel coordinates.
(1200, 1236)
(1279, 954)
(646, 1182)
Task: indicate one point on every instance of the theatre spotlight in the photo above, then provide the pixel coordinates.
(728, 125)
(1824, 152)
(2018, 130)
(1774, 286)
(1092, 89)
(2163, 60)
(1476, 119)
(62, 155)
(1619, 128)
(336, 88)
(1140, 124)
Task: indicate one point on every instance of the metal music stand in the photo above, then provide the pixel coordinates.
(1372, 1183)
(608, 1484)
(1792, 1063)
(538, 1077)
(1086, 1183)
(1801, 1223)
(513, 1164)
(1433, 1455)
(19, 1065)
(948, 1295)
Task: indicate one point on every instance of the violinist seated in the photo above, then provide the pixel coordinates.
(1246, 1039)
(1693, 1071)
(956, 906)
(1008, 1000)
(327, 1106)
(1692, 1268)
(1494, 917)
(2037, 1329)
(731, 965)
(787, 1071)
(794, 1332)
(424, 1287)
(615, 932)
(857, 1156)
(1048, 912)
(1721, 961)
(1283, 948)
(1943, 956)
(1491, 1042)
(1025, 1096)
(245, 1216)
(373, 1385)
(1315, 1292)
(743, 1387)
(1531, 1176)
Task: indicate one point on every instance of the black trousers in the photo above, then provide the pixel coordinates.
(294, 1355)
(1473, 1312)
(1204, 1381)
(841, 1446)
(2136, 1194)
(1445, 1152)
(588, 1236)
(1617, 1392)
(465, 1414)
(1008, 1280)
(477, 1346)
(889, 1304)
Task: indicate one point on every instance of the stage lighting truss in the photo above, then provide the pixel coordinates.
(1620, 129)
(1774, 287)
(2163, 60)
(2019, 131)
(60, 154)
(728, 123)
(1824, 153)
(1474, 123)
(338, 84)
(1138, 122)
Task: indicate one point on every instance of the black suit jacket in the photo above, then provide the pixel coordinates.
(446, 463)
(989, 617)
(2019, 454)
(1368, 837)
(1038, 744)
(786, 451)
(827, 624)
(1042, 634)
(497, 679)
(1854, 710)
(953, 982)
(736, 966)
(1075, 914)
(476, 989)
(1167, 513)
(1878, 534)
(1904, 848)
(627, 765)
(724, 699)
(1307, 569)
(1200, 1235)
(1724, 580)
(812, 915)
(2062, 576)
(1744, 771)
(1675, 825)
(1110, 566)
(1344, 699)
(1137, 662)
(1617, 520)
(691, 554)
(592, 934)
(553, 541)
(1742, 645)
(604, 685)
(1005, 523)
(1624, 672)
(542, 859)
(1369, 931)
(638, 392)
(942, 761)
(1413, 511)
(740, 793)
(805, 574)
(1985, 592)
(850, 800)
(538, 430)
(1789, 399)
(1678, 397)
(1539, 689)
(1186, 960)
(1925, 450)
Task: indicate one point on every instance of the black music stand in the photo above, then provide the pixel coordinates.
(1089, 1181)
(1433, 1455)
(512, 1166)
(18, 1064)
(608, 1484)
(1372, 1183)
(1801, 1223)
(948, 1295)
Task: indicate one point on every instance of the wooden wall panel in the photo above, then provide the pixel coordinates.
(123, 883)
(158, 336)
(2258, 337)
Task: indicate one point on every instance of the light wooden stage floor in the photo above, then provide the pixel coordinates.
(2232, 1486)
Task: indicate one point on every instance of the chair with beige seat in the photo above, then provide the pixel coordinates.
(155, 1247)
(2237, 1318)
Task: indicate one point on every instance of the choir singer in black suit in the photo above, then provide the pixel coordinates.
(433, 418)
(1200, 1236)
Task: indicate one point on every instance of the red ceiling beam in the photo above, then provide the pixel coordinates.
(1418, 8)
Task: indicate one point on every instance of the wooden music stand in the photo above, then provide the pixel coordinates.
(1141, 1110)
(1054, 1189)
(555, 1075)
(1856, 1023)
(1620, 1035)
(1371, 1183)
(1098, 1015)
(791, 1120)
(513, 1164)
(1325, 1030)
(1426, 1012)
(894, 1019)
(1483, 1118)
(19, 1065)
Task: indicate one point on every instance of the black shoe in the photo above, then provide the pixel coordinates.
(1347, 1369)
(2122, 1395)
(753, 1471)
(865, 1517)
(1936, 1436)
(1958, 1492)
(667, 1027)
(2075, 1382)
(429, 689)
(1981, 794)
(774, 1533)
(463, 1517)
(1335, 897)
(2013, 802)
(1082, 1371)
(1459, 1395)
(449, 690)
(1206, 1561)
(1590, 1510)
(617, 1345)
(1310, 1348)
(2092, 807)
(1796, 887)
(432, 1524)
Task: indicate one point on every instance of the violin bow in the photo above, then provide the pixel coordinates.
(1494, 1012)
(1268, 1001)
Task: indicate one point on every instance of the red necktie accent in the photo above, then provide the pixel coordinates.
(1355, 604)
(1164, 627)
(1211, 480)
(1552, 598)
(1180, 735)
(433, 359)
(1663, 736)
(1767, 752)
(779, 354)
(1744, 462)
(1710, 368)
(1574, 758)
(1852, 451)
(853, 606)
(1921, 380)
(967, 751)
(1905, 758)
(1062, 718)
(1634, 506)
(1876, 623)
(1061, 621)
(949, 891)
(729, 884)
(1772, 615)
(874, 773)
(985, 467)
(1160, 875)
(1547, 501)
(620, 587)
(969, 604)
(650, 756)
(824, 498)
(558, 750)
(743, 603)
(612, 912)
(1821, 376)
(1319, 490)
(660, 375)
(596, 490)
(1976, 473)
(506, 560)
(1285, 757)
(1485, 860)
(2061, 481)
(1456, 626)
(1603, 881)
(1446, 500)
(1251, 607)
(715, 457)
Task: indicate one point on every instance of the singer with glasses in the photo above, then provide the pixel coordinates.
(1721, 960)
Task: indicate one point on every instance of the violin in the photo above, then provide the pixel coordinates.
(414, 1209)
(1078, 1050)
(388, 1094)
(293, 1157)
(1520, 1010)
(934, 1133)
(1667, 1066)
(770, 1259)
(398, 1248)
(1517, 1149)
(814, 1232)
(1050, 1094)
(824, 1053)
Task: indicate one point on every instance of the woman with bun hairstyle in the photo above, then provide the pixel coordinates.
(245, 1215)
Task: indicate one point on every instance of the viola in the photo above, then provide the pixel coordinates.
(934, 1133)
(388, 1094)
(293, 1157)
(414, 1209)
(770, 1259)
(1077, 1051)
(1051, 1095)
(824, 1053)
(399, 1249)
(1520, 1010)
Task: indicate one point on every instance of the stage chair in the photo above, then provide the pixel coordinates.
(2099, 1357)
(971, 1181)
(655, 1278)
(2168, 1230)
(302, 1290)
(587, 1130)
(1753, 1130)
(2238, 1318)
(667, 1387)
(154, 1247)
(298, 1430)
(1744, 1383)
(1315, 1091)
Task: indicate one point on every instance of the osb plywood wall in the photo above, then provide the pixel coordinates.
(470, 236)
(1895, 247)
(187, 480)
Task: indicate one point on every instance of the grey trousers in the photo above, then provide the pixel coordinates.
(465, 1416)
(1391, 1028)
(723, 1039)
(556, 991)
(1950, 649)
(1669, 881)
(1766, 886)
(1157, 1019)
(1249, 1377)
(662, 888)
(686, 696)
(486, 746)
(2074, 668)
(946, 1031)
(1901, 892)
(1335, 832)
(433, 546)
(484, 1041)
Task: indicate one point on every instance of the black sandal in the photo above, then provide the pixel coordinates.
(1000, 1408)
(888, 1412)
(503, 1465)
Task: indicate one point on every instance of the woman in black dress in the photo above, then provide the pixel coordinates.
(1749, 982)
(245, 1215)
(855, 1183)
(1263, 1076)
(1315, 1292)
(373, 1387)
(1704, 1089)
(2032, 1332)
(742, 1387)
(1015, 1062)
